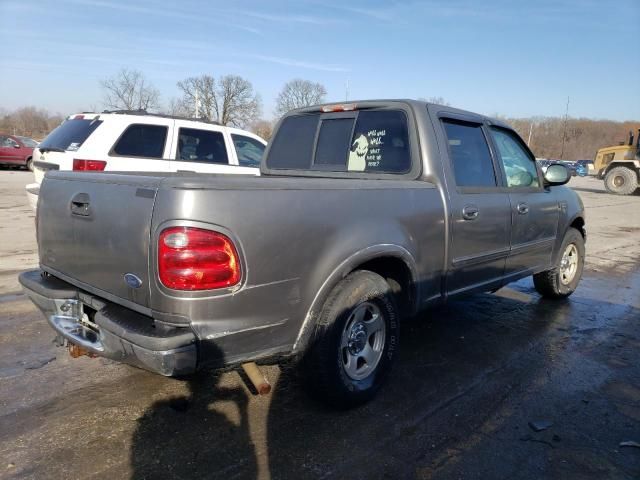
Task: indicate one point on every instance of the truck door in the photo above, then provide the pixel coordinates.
(534, 209)
(479, 209)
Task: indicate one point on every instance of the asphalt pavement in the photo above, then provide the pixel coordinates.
(495, 386)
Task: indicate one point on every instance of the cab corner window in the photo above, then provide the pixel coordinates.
(146, 141)
(202, 146)
(470, 155)
(519, 166)
(249, 150)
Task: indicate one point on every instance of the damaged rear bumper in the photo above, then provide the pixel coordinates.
(109, 330)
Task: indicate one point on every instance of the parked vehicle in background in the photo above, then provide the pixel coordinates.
(588, 166)
(619, 166)
(17, 151)
(366, 213)
(574, 168)
(580, 169)
(138, 141)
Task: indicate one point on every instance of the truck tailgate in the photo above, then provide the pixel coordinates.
(94, 229)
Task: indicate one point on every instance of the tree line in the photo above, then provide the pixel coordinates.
(571, 138)
(232, 100)
(228, 99)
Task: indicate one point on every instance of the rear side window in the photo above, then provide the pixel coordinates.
(202, 146)
(70, 135)
(470, 156)
(142, 141)
(372, 141)
(249, 150)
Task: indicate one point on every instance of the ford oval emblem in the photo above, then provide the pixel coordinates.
(132, 280)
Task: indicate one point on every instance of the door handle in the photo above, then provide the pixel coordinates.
(470, 212)
(80, 205)
(523, 208)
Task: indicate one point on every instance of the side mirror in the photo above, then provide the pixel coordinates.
(15, 145)
(556, 174)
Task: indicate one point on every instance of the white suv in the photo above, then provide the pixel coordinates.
(142, 142)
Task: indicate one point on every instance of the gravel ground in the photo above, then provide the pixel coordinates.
(474, 381)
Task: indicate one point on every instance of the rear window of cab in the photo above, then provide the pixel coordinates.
(369, 141)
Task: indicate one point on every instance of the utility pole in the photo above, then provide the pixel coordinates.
(530, 132)
(197, 104)
(564, 129)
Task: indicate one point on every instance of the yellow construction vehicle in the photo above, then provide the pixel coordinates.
(619, 166)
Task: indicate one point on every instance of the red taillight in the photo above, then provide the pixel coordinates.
(345, 107)
(197, 259)
(88, 165)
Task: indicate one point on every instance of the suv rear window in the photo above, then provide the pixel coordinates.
(141, 141)
(372, 141)
(70, 135)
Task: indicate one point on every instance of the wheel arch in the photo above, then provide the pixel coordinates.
(392, 262)
(577, 222)
(633, 165)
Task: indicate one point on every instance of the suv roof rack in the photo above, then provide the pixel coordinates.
(162, 115)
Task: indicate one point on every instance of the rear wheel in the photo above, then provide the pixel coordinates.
(29, 164)
(621, 181)
(355, 341)
(562, 280)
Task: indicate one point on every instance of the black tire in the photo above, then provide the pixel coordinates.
(550, 283)
(621, 181)
(325, 359)
(29, 164)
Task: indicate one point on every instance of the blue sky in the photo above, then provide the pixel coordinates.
(514, 58)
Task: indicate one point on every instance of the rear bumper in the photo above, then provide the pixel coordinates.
(113, 331)
(33, 190)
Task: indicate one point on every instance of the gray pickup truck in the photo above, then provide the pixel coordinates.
(365, 213)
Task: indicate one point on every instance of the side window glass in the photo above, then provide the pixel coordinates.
(201, 146)
(145, 141)
(249, 150)
(4, 141)
(470, 155)
(519, 166)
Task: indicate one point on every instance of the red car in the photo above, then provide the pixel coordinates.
(17, 151)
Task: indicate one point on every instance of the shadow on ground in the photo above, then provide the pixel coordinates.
(470, 377)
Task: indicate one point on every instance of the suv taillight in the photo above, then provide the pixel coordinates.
(88, 165)
(197, 259)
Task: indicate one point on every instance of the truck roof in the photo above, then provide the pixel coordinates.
(357, 104)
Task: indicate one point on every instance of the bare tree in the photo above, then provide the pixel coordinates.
(437, 100)
(178, 107)
(262, 128)
(202, 89)
(29, 121)
(299, 93)
(237, 103)
(230, 100)
(130, 90)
